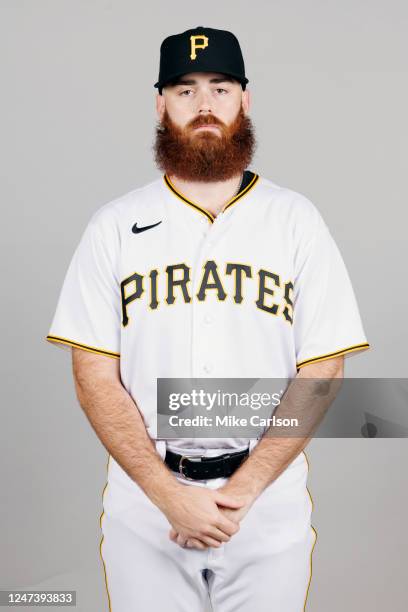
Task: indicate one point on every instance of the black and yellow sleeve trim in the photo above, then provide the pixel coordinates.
(243, 191)
(85, 347)
(350, 349)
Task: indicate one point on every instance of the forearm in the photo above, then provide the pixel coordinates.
(268, 460)
(308, 402)
(118, 424)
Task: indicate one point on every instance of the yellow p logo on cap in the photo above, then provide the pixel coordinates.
(194, 44)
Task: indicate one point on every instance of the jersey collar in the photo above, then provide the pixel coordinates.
(249, 180)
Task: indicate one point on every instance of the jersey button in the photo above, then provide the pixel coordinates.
(207, 367)
(208, 319)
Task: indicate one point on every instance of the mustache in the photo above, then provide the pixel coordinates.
(205, 120)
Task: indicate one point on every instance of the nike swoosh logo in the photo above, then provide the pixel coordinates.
(137, 230)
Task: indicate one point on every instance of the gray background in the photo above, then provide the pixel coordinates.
(329, 103)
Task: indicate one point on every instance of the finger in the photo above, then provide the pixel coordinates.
(173, 535)
(210, 541)
(227, 526)
(194, 543)
(229, 501)
(217, 534)
(181, 540)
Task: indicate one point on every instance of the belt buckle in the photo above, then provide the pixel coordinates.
(181, 464)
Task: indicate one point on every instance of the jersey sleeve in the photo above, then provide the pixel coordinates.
(326, 319)
(88, 309)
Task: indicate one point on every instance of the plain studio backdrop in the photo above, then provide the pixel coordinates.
(329, 90)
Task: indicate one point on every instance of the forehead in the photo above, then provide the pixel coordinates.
(192, 78)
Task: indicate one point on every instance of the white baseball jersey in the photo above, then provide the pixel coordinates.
(258, 291)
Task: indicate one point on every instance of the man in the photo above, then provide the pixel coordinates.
(208, 271)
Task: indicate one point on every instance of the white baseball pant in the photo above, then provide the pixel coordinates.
(266, 566)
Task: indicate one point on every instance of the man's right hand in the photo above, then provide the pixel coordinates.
(193, 512)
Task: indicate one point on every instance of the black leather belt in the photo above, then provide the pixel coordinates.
(203, 468)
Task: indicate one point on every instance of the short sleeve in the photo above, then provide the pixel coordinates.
(326, 318)
(88, 309)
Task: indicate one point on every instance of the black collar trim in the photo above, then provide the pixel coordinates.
(249, 180)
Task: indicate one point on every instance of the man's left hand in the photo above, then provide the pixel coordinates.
(234, 515)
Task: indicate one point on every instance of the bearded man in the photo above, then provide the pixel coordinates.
(208, 271)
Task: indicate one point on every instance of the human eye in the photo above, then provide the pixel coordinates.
(185, 92)
(221, 90)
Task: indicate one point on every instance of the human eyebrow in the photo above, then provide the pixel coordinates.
(184, 82)
(181, 81)
(224, 79)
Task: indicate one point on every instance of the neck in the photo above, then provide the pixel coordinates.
(212, 196)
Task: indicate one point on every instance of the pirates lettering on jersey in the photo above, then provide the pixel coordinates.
(273, 295)
(181, 282)
(211, 280)
(237, 270)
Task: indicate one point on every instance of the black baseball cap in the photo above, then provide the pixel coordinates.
(200, 50)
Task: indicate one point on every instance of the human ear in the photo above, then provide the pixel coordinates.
(160, 106)
(246, 101)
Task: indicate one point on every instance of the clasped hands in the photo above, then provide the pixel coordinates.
(202, 517)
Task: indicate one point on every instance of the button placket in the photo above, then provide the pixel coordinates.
(208, 368)
(213, 232)
(202, 364)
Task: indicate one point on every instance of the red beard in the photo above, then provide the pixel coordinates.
(203, 155)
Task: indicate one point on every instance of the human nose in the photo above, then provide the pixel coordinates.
(204, 103)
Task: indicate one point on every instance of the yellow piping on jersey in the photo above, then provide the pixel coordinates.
(85, 347)
(242, 193)
(357, 347)
(203, 211)
(100, 545)
(315, 533)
